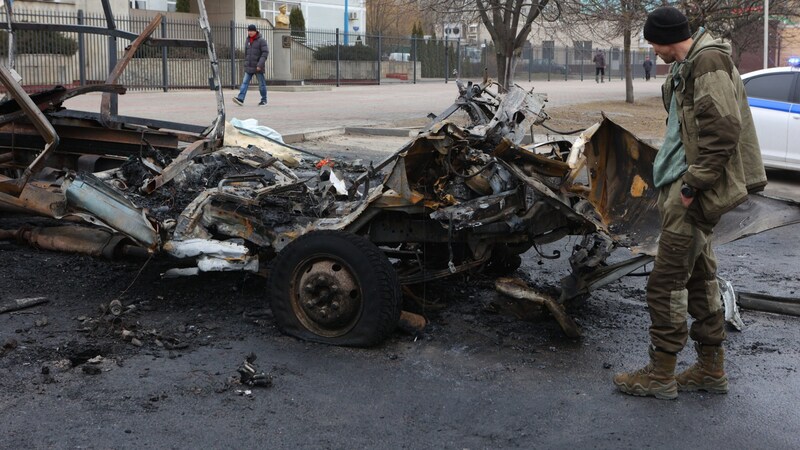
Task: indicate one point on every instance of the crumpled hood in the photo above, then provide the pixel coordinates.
(704, 41)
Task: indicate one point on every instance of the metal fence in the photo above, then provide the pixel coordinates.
(44, 59)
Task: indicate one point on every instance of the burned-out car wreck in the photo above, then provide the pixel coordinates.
(337, 241)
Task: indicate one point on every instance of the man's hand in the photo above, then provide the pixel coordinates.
(259, 69)
(688, 194)
(686, 200)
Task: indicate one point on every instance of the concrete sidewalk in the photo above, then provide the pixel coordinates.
(347, 106)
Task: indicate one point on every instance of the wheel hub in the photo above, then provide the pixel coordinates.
(328, 296)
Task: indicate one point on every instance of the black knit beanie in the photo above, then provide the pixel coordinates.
(666, 25)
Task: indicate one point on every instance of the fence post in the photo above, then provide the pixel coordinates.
(566, 64)
(458, 56)
(164, 68)
(380, 52)
(530, 65)
(112, 62)
(337, 58)
(582, 69)
(549, 67)
(233, 55)
(446, 60)
(485, 56)
(416, 56)
(82, 49)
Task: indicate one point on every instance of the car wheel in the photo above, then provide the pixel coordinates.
(335, 288)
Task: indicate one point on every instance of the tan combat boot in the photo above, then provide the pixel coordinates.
(656, 379)
(708, 373)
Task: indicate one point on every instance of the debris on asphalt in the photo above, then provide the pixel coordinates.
(516, 288)
(21, 303)
(412, 323)
(728, 294)
(8, 346)
(91, 370)
(769, 303)
(115, 307)
(250, 376)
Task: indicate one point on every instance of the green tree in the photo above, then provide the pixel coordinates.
(297, 23)
(182, 6)
(252, 9)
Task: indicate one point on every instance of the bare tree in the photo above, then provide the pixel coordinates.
(611, 19)
(739, 22)
(390, 17)
(508, 22)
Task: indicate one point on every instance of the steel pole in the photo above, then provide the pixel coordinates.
(766, 34)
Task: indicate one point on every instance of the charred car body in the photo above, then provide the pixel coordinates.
(338, 240)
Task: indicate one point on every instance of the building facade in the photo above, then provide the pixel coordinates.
(349, 15)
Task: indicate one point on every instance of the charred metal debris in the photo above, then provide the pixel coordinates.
(337, 240)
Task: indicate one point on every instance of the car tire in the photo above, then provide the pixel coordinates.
(334, 288)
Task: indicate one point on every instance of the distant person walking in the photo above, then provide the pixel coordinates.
(255, 56)
(648, 66)
(599, 61)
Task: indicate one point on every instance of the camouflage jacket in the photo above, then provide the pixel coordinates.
(717, 128)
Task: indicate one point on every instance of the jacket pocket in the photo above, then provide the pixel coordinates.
(722, 197)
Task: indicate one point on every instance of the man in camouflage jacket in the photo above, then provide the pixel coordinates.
(709, 162)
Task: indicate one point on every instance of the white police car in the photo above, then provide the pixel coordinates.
(774, 97)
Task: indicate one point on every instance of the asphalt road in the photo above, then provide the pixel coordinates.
(295, 112)
(474, 379)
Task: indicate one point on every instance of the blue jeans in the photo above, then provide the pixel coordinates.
(262, 85)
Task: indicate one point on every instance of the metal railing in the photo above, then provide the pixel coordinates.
(45, 59)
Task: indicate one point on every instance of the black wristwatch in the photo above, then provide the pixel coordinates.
(687, 191)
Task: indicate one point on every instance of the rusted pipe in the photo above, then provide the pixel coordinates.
(74, 239)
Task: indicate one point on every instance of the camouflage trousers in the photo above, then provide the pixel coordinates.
(683, 280)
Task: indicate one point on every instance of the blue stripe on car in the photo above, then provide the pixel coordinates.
(769, 104)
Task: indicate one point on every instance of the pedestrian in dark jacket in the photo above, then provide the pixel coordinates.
(599, 61)
(709, 161)
(255, 56)
(648, 66)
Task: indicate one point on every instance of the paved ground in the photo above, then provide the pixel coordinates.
(294, 112)
(474, 379)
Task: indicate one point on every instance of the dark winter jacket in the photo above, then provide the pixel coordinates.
(599, 60)
(717, 129)
(255, 54)
(648, 65)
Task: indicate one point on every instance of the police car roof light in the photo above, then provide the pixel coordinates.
(794, 61)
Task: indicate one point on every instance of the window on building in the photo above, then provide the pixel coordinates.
(615, 54)
(583, 50)
(548, 50)
(138, 4)
(268, 9)
(172, 5)
(271, 9)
